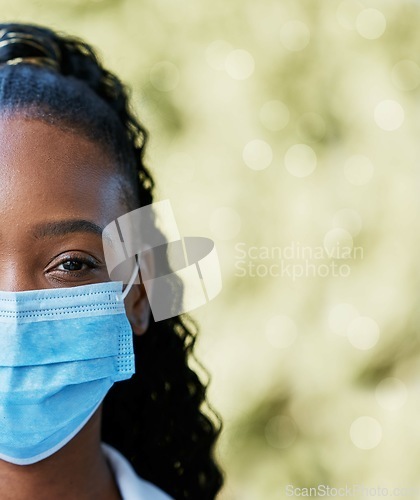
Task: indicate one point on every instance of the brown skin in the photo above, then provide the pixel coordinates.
(50, 175)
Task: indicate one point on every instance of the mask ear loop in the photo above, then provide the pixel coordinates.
(132, 279)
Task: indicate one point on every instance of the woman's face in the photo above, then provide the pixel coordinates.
(58, 190)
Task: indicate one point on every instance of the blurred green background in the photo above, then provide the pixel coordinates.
(288, 131)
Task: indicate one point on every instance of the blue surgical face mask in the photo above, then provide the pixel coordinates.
(61, 350)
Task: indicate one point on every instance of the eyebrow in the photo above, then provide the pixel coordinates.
(63, 227)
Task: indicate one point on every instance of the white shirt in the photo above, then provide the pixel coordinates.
(131, 486)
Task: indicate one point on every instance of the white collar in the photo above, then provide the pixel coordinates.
(131, 486)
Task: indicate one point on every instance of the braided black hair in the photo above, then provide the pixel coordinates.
(156, 418)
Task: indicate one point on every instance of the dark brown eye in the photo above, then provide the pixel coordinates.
(75, 264)
(72, 265)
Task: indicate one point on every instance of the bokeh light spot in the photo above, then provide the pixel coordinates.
(295, 35)
(300, 160)
(366, 433)
(239, 64)
(280, 431)
(389, 115)
(363, 333)
(405, 75)
(358, 170)
(281, 331)
(257, 154)
(371, 24)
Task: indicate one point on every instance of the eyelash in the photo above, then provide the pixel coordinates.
(90, 263)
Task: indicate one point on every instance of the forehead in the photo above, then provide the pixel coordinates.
(50, 173)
